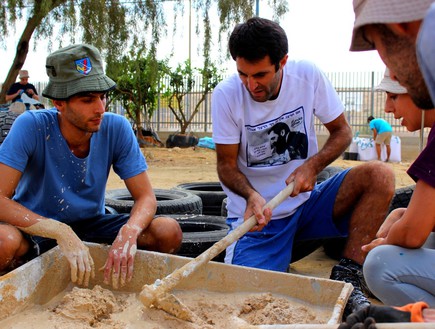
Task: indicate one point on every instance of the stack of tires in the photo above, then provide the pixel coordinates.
(190, 207)
(201, 210)
(6, 121)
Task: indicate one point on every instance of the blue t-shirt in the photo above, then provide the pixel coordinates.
(57, 184)
(381, 126)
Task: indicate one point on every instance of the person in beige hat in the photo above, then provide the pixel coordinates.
(23, 86)
(401, 258)
(400, 104)
(395, 275)
(54, 166)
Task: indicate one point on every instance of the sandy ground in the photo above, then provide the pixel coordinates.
(171, 167)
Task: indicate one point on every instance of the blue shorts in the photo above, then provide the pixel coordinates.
(271, 248)
(100, 229)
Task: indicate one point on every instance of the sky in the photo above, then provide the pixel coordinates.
(317, 30)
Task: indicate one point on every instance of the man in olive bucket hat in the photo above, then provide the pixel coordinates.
(54, 166)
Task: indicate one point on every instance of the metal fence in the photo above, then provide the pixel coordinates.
(355, 89)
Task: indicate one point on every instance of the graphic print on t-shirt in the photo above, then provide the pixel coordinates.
(277, 141)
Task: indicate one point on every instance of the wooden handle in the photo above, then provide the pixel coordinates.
(160, 287)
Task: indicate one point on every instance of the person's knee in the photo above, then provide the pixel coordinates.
(382, 177)
(12, 245)
(376, 176)
(374, 258)
(375, 264)
(164, 235)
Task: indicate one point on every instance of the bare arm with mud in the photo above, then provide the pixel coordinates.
(120, 262)
(13, 213)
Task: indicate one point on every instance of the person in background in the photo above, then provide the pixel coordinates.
(23, 86)
(54, 166)
(386, 268)
(382, 133)
(402, 31)
(265, 139)
(400, 104)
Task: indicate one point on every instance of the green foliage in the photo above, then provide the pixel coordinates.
(114, 26)
(137, 76)
(181, 84)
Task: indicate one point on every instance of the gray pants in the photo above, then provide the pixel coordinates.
(398, 276)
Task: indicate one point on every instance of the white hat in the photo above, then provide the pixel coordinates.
(382, 12)
(389, 85)
(23, 74)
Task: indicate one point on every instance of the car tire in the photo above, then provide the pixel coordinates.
(6, 120)
(181, 140)
(200, 232)
(224, 210)
(401, 197)
(168, 201)
(327, 173)
(211, 194)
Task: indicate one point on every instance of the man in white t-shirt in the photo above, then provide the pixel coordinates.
(263, 127)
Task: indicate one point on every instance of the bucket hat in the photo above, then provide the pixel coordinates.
(75, 69)
(383, 12)
(23, 74)
(389, 85)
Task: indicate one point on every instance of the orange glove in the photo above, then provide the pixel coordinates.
(369, 316)
(416, 310)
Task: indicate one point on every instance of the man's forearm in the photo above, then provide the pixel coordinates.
(142, 214)
(11, 97)
(236, 181)
(47, 228)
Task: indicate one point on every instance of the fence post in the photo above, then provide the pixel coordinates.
(206, 112)
(158, 106)
(372, 95)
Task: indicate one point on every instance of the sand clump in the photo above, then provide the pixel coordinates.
(90, 307)
(81, 308)
(268, 309)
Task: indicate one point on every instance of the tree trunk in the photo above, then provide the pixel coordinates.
(23, 45)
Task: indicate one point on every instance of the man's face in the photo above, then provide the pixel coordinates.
(399, 55)
(403, 108)
(260, 78)
(24, 81)
(83, 112)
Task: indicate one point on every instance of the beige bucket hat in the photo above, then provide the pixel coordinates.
(389, 85)
(23, 74)
(383, 12)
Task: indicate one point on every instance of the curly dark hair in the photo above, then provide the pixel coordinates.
(257, 38)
